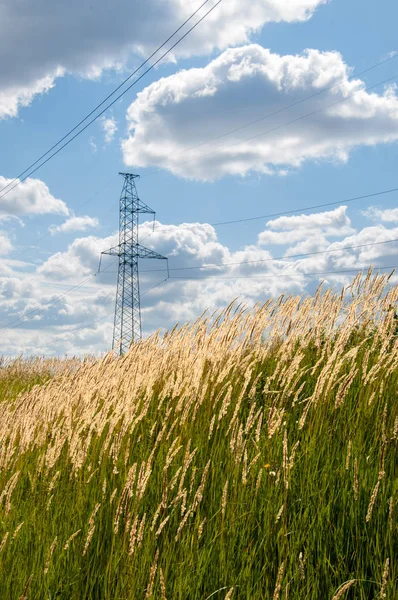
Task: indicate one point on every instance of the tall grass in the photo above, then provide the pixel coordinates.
(19, 375)
(251, 454)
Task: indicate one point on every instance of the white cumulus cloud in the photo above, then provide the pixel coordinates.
(386, 215)
(43, 40)
(32, 197)
(290, 229)
(75, 223)
(79, 260)
(173, 120)
(12, 97)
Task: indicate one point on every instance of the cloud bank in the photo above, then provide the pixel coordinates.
(173, 119)
(44, 40)
(80, 320)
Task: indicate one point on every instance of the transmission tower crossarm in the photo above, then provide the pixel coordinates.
(144, 208)
(139, 251)
(147, 253)
(114, 251)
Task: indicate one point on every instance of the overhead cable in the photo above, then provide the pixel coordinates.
(49, 154)
(282, 274)
(285, 258)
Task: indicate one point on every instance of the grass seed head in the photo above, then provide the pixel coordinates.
(3, 542)
(385, 579)
(48, 561)
(372, 501)
(342, 590)
(279, 578)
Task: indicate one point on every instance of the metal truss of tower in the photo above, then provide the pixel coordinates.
(127, 324)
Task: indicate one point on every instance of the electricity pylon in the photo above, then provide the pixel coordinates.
(127, 325)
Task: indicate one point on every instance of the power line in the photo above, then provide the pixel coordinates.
(295, 210)
(282, 274)
(288, 212)
(286, 258)
(18, 181)
(103, 101)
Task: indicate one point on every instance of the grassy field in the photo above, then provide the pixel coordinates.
(249, 455)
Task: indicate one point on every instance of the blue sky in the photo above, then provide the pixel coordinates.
(241, 66)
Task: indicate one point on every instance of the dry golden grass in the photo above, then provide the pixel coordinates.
(98, 395)
(161, 453)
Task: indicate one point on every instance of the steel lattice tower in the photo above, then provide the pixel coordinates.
(127, 324)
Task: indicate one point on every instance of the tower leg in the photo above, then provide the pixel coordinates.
(127, 324)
